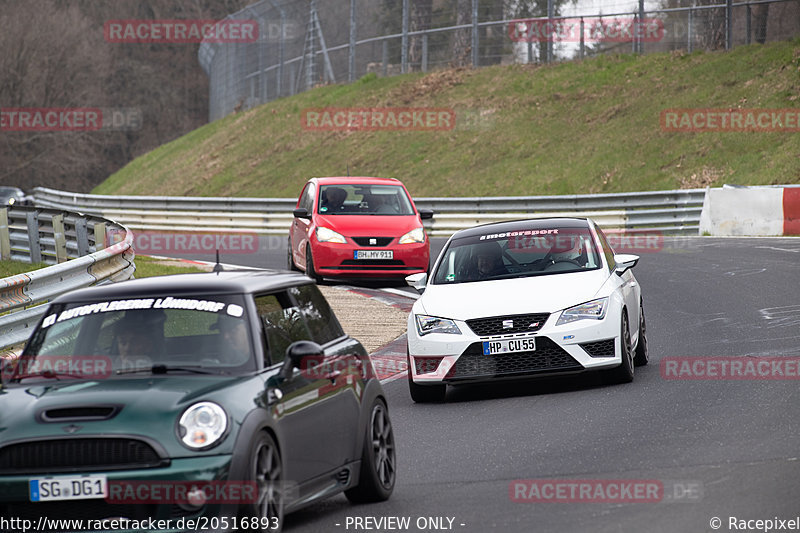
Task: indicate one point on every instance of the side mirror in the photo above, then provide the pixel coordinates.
(418, 281)
(425, 214)
(301, 212)
(625, 262)
(299, 353)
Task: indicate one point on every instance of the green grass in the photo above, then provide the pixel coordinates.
(147, 267)
(578, 127)
(12, 268)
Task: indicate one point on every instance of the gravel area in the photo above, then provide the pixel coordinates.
(372, 322)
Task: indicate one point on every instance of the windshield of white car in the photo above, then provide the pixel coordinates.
(364, 199)
(522, 253)
(141, 336)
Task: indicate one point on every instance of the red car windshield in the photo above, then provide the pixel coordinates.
(364, 199)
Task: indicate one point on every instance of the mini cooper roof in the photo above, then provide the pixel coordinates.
(517, 225)
(225, 282)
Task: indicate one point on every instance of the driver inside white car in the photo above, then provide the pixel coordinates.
(568, 248)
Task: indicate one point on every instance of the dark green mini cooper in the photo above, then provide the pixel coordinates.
(194, 402)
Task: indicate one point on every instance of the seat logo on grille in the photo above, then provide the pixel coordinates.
(508, 324)
(373, 242)
(72, 428)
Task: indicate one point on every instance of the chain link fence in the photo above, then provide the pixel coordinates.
(306, 43)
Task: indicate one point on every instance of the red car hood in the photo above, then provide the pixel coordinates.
(369, 225)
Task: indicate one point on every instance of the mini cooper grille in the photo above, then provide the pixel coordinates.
(498, 325)
(548, 357)
(600, 348)
(77, 455)
(379, 241)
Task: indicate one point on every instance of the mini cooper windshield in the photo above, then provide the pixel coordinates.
(146, 335)
(527, 252)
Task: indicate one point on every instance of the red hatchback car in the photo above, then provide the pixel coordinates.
(358, 228)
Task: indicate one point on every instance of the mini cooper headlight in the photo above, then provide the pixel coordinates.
(202, 425)
(328, 235)
(415, 235)
(596, 309)
(433, 324)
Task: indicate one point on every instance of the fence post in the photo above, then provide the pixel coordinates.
(351, 60)
(82, 237)
(59, 238)
(385, 57)
(34, 246)
(424, 52)
(404, 42)
(5, 237)
(639, 29)
(689, 44)
(475, 58)
(99, 236)
(549, 55)
(583, 45)
(747, 29)
(728, 24)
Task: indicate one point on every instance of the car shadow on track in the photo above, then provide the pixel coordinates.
(533, 387)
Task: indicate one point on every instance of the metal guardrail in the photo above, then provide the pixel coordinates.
(670, 212)
(76, 248)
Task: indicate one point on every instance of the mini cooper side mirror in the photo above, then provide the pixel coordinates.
(299, 353)
(301, 212)
(418, 281)
(625, 262)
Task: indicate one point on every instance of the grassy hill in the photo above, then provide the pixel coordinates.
(579, 127)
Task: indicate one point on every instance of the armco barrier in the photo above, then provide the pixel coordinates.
(670, 212)
(768, 210)
(80, 256)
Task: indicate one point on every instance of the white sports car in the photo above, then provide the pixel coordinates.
(523, 299)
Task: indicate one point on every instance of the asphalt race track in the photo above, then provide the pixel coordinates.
(719, 448)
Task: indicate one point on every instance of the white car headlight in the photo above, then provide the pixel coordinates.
(12, 201)
(433, 324)
(202, 425)
(415, 235)
(596, 309)
(328, 235)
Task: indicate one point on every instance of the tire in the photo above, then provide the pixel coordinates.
(641, 357)
(290, 258)
(378, 459)
(310, 272)
(266, 469)
(425, 393)
(624, 372)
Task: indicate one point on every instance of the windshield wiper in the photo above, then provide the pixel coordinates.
(163, 369)
(49, 374)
